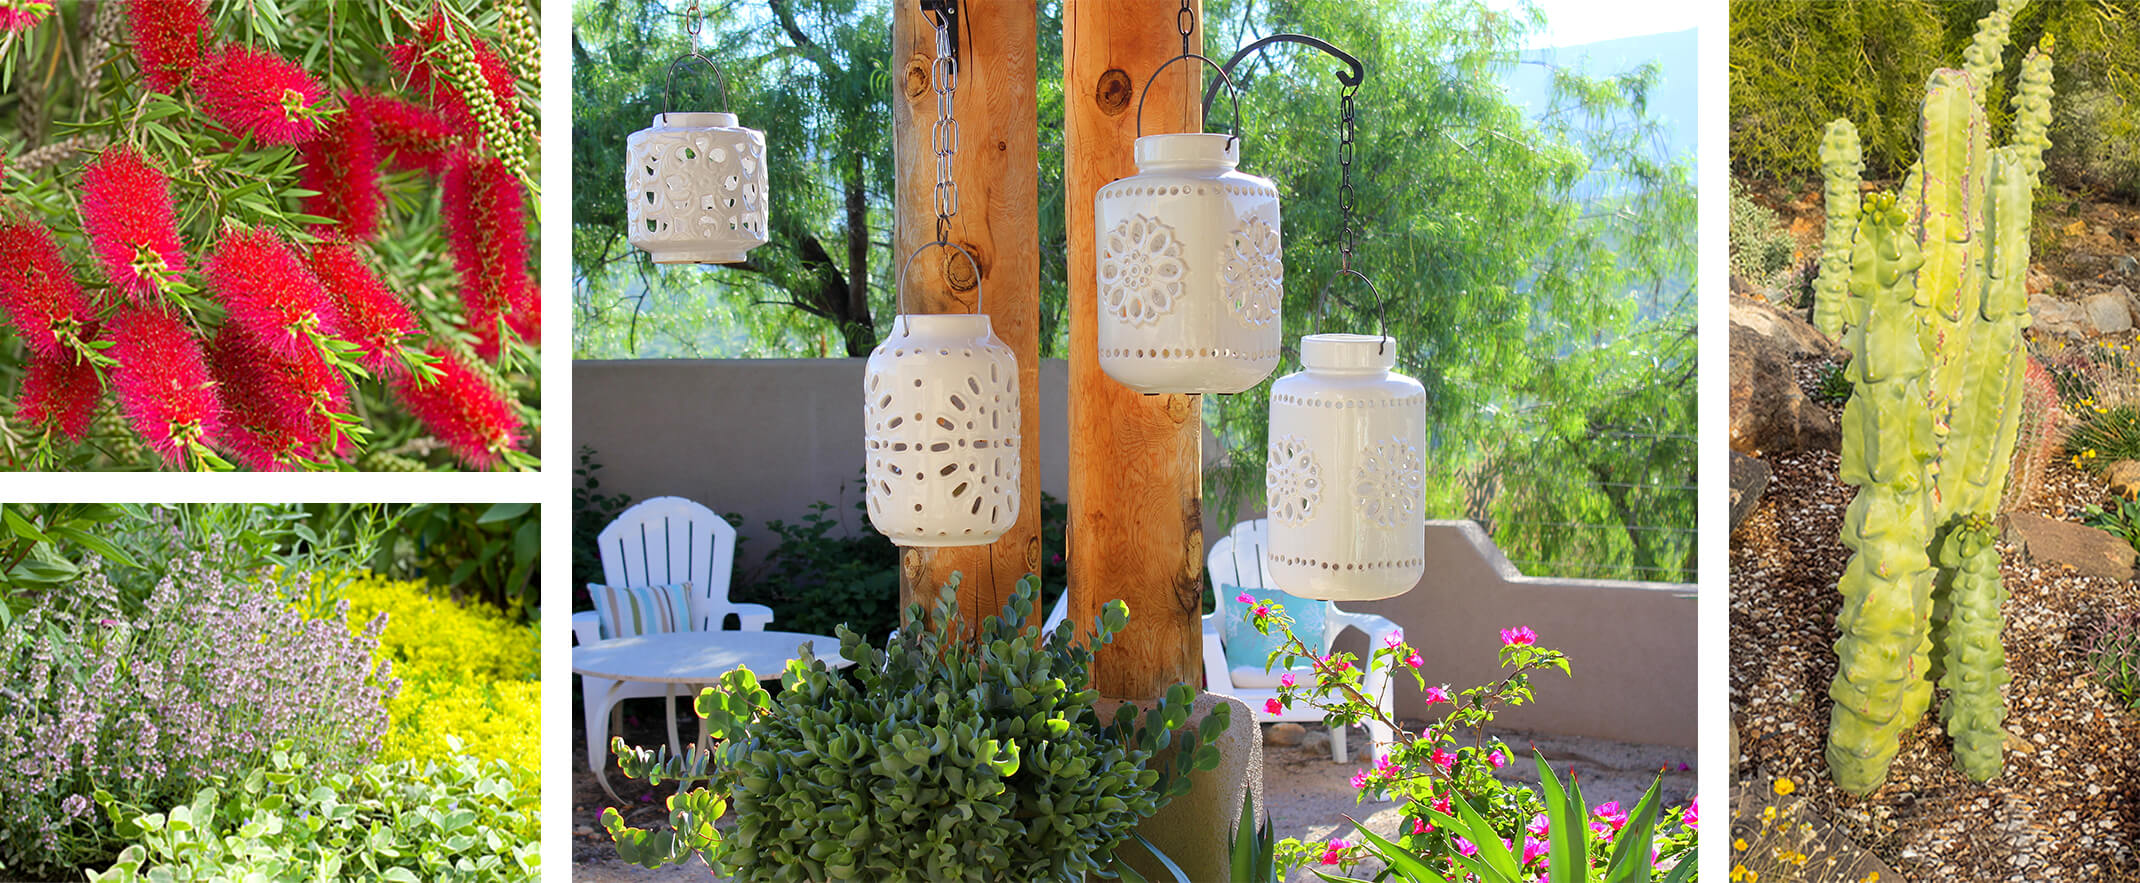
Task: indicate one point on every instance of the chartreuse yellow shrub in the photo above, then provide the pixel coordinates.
(494, 720)
(467, 672)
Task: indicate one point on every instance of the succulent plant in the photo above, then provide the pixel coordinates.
(2114, 656)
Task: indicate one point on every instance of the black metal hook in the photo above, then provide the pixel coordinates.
(948, 10)
(1358, 72)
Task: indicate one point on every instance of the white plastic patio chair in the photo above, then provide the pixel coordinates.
(660, 541)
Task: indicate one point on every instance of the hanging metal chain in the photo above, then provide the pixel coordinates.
(944, 76)
(1185, 22)
(1346, 149)
(692, 20)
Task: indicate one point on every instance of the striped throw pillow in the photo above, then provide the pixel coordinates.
(625, 611)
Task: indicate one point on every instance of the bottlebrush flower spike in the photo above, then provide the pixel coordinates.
(270, 293)
(126, 210)
(162, 381)
(22, 15)
(259, 93)
(275, 409)
(415, 138)
(486, 228)
(39, 291)
(59, 394)
(167, 40)
(466, 413)
(343, 165)
(372, 316)
(429, 75)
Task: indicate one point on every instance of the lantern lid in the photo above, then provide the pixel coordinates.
(1367, 353)
(974, 324)
(706, 120)
(1187, 150)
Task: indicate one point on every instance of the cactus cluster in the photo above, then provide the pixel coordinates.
(1925, 288)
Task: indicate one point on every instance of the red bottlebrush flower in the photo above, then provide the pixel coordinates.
(525, 319)
(59, 394)
(22, 15)
(167, 40)
(416, 138)
(486, 228)
(270, 293)
(126, 210)
(163, 381)
(39, 290)
(372, 316)
(259, 93)
(343, 165)
(427, 73)
(275, 409)
(466, 413)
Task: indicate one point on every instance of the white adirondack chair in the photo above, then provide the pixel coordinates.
(660, 541)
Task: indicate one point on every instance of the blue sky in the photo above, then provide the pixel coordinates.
(1573, 22)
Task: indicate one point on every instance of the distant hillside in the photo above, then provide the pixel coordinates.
(1673, 100)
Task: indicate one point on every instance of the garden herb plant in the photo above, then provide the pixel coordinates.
(225, 218)
(933, 760)
(1443, 776)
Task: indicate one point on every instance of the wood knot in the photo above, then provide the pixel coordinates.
(1182, 408)
(917, 79)
(960, 273)
(1114, 92)
(1032, 554)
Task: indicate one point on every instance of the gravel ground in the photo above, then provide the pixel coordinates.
(2068, 804)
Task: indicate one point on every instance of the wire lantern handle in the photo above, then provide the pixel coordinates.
(1382, 315)
(900, 292)
(1231, 89)
(668, 91)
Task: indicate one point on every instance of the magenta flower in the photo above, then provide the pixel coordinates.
(1693, 814)
(1273, 706)
(1359, 779)
(1534, 849)
(1539, 825)
(1414, 660)
(1611, 813)
(1442, 805)
(1420, 826)
(1245, 598)
(1496, 759)
(1466, 847)
(1393, 640)
(1335, 850)
(1437, 695)
(1518, 636)
(1286, 680)
(1443, 759)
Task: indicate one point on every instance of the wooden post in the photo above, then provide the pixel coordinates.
(997, 170)
(1135, 465)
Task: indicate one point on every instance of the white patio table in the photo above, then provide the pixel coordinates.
(694, 660)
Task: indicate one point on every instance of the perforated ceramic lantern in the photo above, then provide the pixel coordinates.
(941, 427)
(695, 185)
(1190, 269)
(1343, 482)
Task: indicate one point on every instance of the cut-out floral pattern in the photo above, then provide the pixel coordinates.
(694, 186)
(1141, 272)
(1388, 483)
(1293, 483)
(1254, 275)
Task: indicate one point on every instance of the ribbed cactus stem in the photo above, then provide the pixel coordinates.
(2032, 108)
(1842, 163)
(1974, 659)
(1880, 688)
(1986, 54)
(1950, 231)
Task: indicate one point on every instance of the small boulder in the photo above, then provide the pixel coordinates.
(2107, 313)
(1317, 741)
(2053, 316)
(2089, 551)
(1768, 411)
(1749, 478)
(2124, 478)
(1284, 734)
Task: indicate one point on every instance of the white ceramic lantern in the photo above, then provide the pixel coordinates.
(695, 188)
(1343, 482)
(941, 428)
(1190, 269)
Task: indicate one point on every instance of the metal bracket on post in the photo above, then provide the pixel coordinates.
(949, 11)
(1358, 72)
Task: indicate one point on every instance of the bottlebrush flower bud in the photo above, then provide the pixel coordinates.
(275, 409)
(38, 290)
(126, 210)
(270, 293)
(59, 394)
(415, 138)
(372, 316)
(167, 40)
(430, 76)
(486, 228)
(162, 381)
(343, 165)
(22, 15)
(259, 93)
(465, 412)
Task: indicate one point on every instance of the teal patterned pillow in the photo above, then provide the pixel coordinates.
(627, 611)
(1247, 649)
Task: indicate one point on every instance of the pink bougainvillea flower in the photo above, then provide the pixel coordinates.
(59, 394)
(1465, 847)
(275, 409)
(471, 417)
(1359, 779)
(1539, 825)
(1261, 610)
(259, 94)
(412, 138)
(1611, 814)
(1442, 805)
(1518, 636)
(1693, 815)
(163, 381)
(1534, 849)
(22, 15)
(1245, 598)
(1334, 851)
(167, 40)
(1420, 826)
(39, 291)
(1443, 759)
(373, 317)
(1385, 767)
(1414, 660)
(1286, 680)
(1437, 695)
(1273, 706)
(1394, 639)
(1496, 759)
(484, 213)
(270, 293)
(342, 164)
(427, 75)
(126, 210)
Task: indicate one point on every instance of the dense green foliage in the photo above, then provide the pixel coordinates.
(1796, 64)
(455, 821)
(592, 510)
(936, 760)
(2104, 436)
(1537, 262)
(1760, 247)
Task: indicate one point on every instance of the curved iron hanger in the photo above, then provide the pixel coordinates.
(1357, 74)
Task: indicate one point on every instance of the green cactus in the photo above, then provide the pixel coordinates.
(1926, 289)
